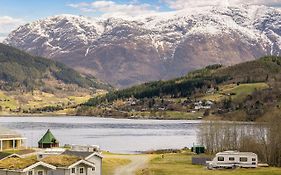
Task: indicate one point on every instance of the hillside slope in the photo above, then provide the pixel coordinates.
(21, 71)
(244, 91)
(267, 69)
(30, 84)
(127, 52)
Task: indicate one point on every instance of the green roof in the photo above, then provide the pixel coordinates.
(48, 138)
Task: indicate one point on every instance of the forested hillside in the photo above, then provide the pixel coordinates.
(263, 70)
(247, 91)
(21, 71)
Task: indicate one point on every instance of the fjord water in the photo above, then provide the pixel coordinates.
(114, 135)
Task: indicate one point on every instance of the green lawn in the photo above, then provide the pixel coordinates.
(7, 102)
(241, 91)
(14, 100)
(180, 164)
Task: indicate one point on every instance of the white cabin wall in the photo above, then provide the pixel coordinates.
(98, 163)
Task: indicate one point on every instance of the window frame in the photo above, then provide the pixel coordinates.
(83, 170)
(31, 171)
(243, 159)
(72, 170)
(220, 160)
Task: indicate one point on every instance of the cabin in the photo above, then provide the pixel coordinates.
(51, 165)
(233, 159)
(10, 140)
(48, 141)
(67, 164)
(92, 157)
(24, 166)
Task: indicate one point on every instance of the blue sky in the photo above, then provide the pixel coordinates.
(34, 9)
(17, 12)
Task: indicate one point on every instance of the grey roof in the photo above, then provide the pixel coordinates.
(80, 154)
(7, 133)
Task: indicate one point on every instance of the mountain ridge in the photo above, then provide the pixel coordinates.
(126, 52)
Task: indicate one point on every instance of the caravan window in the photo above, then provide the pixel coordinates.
(220, 159)
(231, 159)
(243, 159)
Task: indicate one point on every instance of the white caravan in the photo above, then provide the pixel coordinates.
(233, 159)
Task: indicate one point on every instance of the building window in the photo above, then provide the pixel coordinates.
(243, 159)
(30, 173)
(220, 159)
(93, 169)
(231, 159)
(254, 159)
(40, 173)
(81, 170)
(73, 170)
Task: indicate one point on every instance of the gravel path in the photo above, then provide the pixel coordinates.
(137, 162)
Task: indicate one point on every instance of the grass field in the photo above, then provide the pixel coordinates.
(109, 165)
(241, 91)
(180, 164)
(15, 100)
(7, 102)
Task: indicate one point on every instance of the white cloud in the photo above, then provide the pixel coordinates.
(110, 8)
(180, 4)
(7, 24)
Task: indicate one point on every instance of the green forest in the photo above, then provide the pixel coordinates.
(19, 70)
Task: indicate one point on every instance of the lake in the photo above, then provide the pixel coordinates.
(114, 135)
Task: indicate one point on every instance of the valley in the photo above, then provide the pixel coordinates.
(138, 87)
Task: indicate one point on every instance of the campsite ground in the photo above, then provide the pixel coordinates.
(169, 164)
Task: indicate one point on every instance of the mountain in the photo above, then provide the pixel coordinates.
(20, 71)
(126, 52)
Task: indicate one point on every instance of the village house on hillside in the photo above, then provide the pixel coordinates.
(10, 140)
(48, 141)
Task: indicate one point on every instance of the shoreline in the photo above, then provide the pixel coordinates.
(111, 117)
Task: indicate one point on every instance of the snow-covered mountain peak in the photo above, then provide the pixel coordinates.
(170, 42)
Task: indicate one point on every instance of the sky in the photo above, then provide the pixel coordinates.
(14, 13)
